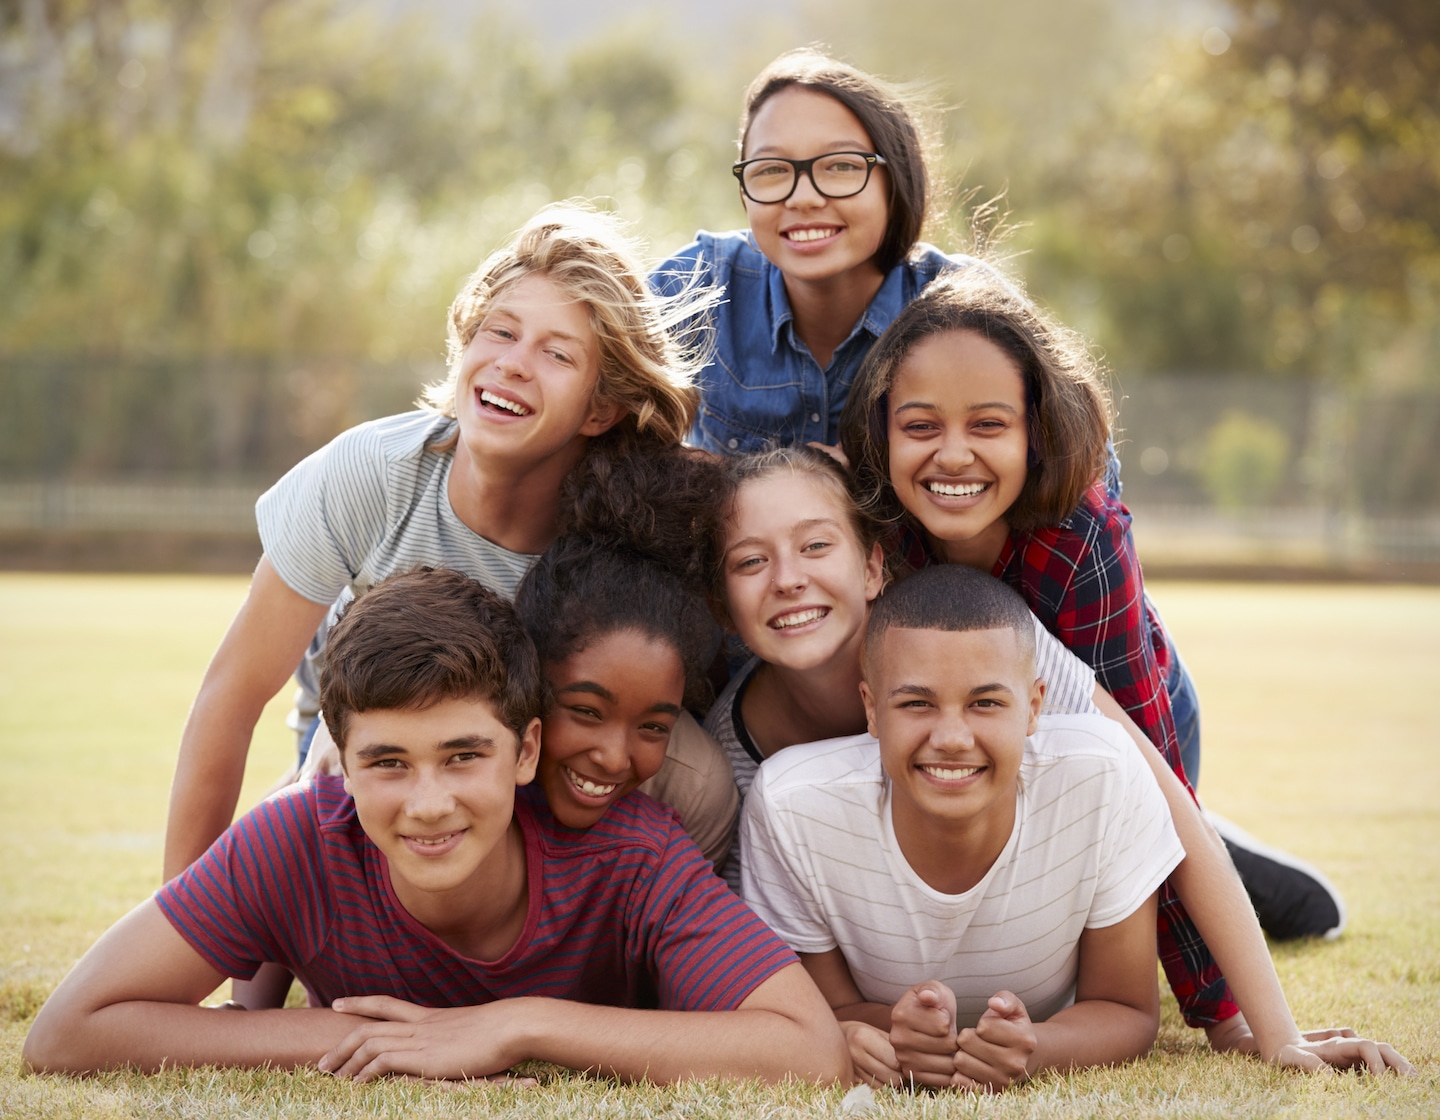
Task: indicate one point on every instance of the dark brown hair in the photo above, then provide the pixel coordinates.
(628, 559)
(1067, 410)
(951, 597)
(889, 117)
(420, 637)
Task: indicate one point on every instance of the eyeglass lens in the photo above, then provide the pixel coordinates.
(837, 175)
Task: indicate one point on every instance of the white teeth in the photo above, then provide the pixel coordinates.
(487, 397)
(959, 490)
(589, 788)
(799, 618)
(948, 775)
(431, 841)
(810, 234)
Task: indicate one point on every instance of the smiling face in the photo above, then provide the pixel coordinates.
(798, 583)
(527, 380)
(434, 789)
(616, 701)
(958, 443)
(952, 711)
(809, 237)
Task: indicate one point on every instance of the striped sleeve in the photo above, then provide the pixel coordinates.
(256, 894)
(1139, 845)
(772, 879)
(1069, 682)
(706, 949)
(320, 521)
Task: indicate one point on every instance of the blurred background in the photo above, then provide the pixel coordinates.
(231, 228)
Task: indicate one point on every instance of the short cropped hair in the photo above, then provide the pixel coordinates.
(893, 120)
(951, 597)
(421, 637)
(1067, 406)
(649, 349)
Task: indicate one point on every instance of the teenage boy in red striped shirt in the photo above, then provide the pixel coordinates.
(443, 924)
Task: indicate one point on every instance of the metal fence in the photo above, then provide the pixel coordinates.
(1282, 473)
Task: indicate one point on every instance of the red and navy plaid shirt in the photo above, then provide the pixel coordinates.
(1082, 579)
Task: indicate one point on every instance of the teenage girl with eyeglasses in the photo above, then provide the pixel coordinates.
(833, 177)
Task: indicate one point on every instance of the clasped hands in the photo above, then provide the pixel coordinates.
(924, 1048)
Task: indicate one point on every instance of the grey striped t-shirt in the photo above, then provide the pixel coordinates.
(373, 501)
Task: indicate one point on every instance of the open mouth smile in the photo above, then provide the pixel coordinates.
(957, 489)
(951, 774)
(587, 787)
(810, 234)
(434, 845)
(494, 400)
(794, 619)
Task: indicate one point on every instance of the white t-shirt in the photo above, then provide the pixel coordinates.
(1092, 840)
(1069, 688)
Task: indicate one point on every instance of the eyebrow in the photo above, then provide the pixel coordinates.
(460, 743)
(849, 144)
(589, 688)
(927, 693)
(926, 405)
(505, 313)
(808, 523)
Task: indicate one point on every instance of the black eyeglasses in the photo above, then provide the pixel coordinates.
(833, 175)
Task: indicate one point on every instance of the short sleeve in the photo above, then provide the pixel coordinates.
(255, 895)
(773, 879)
(1069, 682)
(705, 948)
(1140, 846)
(320, 521)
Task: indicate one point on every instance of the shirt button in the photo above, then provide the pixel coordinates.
(733, 444)
(814, 418)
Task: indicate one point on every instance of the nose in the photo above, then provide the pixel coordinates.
(611, 751)
(805, 195)
(514, 362)
(429, 797)
(951, 732)
(787, 575)
(954, 451)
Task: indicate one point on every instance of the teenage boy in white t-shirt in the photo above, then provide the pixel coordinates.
(976, 899)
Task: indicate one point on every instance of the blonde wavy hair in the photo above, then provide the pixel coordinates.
(650, 347)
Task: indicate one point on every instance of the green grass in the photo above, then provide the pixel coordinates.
(1321, 736)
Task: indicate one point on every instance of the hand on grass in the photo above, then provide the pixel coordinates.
(445, 1043)
(922, 1032)
(1316, 1051)
(994, 1054)
(871, 1056)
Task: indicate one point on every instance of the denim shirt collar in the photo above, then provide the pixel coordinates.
(889, 301)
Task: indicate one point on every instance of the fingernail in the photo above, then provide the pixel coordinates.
(338, 1005)
(323, 1065)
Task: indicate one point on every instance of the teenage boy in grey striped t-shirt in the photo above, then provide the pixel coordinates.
(976, 897)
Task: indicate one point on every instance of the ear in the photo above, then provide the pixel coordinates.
(1037, 701)
(869, 701)
(604, 415)
(874, 573)
(529, 756)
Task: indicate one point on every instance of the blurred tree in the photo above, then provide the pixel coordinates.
(1267, 198)
(246, 176)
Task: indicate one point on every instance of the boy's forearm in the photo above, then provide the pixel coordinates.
(667, 1046)
(876, 1014)
(1092, 1033)
(208, 774)
(149, 1036)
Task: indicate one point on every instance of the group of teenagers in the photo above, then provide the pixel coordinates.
(740, 669)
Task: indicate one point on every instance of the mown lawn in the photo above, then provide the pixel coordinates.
(1322, 736)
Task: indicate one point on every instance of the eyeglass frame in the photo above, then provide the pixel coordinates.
(806, 167)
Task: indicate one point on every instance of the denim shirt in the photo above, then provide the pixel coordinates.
(762, 384)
